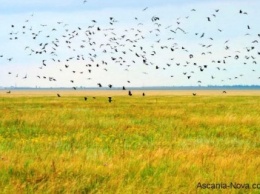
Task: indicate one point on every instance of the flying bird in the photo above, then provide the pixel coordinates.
(145, 8)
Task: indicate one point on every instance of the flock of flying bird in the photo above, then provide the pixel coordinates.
(95, 48)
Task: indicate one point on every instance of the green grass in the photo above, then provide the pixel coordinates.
(155, 144)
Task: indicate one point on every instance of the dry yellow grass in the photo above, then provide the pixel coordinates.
(19, 93)
(163, 143)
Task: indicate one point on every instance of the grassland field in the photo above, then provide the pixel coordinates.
(165, 142)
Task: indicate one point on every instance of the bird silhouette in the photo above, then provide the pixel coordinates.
(145, 8)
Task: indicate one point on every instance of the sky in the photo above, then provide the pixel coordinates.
(67, 43)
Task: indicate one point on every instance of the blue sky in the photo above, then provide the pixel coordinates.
(59, 19)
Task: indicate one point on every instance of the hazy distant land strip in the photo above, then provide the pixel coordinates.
(235, 87)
